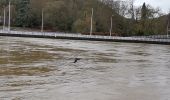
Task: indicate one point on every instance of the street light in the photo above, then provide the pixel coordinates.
(91, 29)
(111, 25)
(42, 24)
(168, 25)
(4, 18)
(168, 29)
(9, 20)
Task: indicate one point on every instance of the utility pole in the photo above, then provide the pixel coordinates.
(42, 24)
(111, 25)
(91, 29)
(168, 28)
(4, 19)
(168, 25)
(9, 20)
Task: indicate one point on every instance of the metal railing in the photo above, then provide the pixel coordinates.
(153, 38)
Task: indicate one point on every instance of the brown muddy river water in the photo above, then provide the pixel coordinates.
(43, 69)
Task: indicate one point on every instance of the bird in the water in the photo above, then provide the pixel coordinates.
(76, 60)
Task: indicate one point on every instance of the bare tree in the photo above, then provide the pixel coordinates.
(123, 10)
(132, 9)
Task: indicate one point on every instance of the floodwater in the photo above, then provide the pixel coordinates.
(43, 69)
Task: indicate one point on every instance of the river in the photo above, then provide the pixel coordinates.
(43, 69)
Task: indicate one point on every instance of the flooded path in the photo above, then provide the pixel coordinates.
(43, 69)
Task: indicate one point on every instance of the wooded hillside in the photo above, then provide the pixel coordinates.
(75, 16)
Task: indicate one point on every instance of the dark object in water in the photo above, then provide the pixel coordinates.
(76, 60)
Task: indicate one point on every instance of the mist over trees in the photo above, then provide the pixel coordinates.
(75, 16)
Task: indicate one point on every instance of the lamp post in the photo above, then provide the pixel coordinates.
(42, 24)
(111, 25)
(9, 20)
(91, 29)
(168, 29)
(4, 19)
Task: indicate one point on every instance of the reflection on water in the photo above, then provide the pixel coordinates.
(43, 69)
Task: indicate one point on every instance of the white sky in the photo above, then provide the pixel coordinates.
(163, 4)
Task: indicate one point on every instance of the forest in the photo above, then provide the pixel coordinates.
(75, 16)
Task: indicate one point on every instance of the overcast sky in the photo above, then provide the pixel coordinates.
(163, 4)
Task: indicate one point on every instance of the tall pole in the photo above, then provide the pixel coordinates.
(111, 25)
(9, 20)
(168, 29)
(91, 29)
(42, 24)
(4, 19)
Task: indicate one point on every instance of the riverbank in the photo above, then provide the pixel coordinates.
(78, 36)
